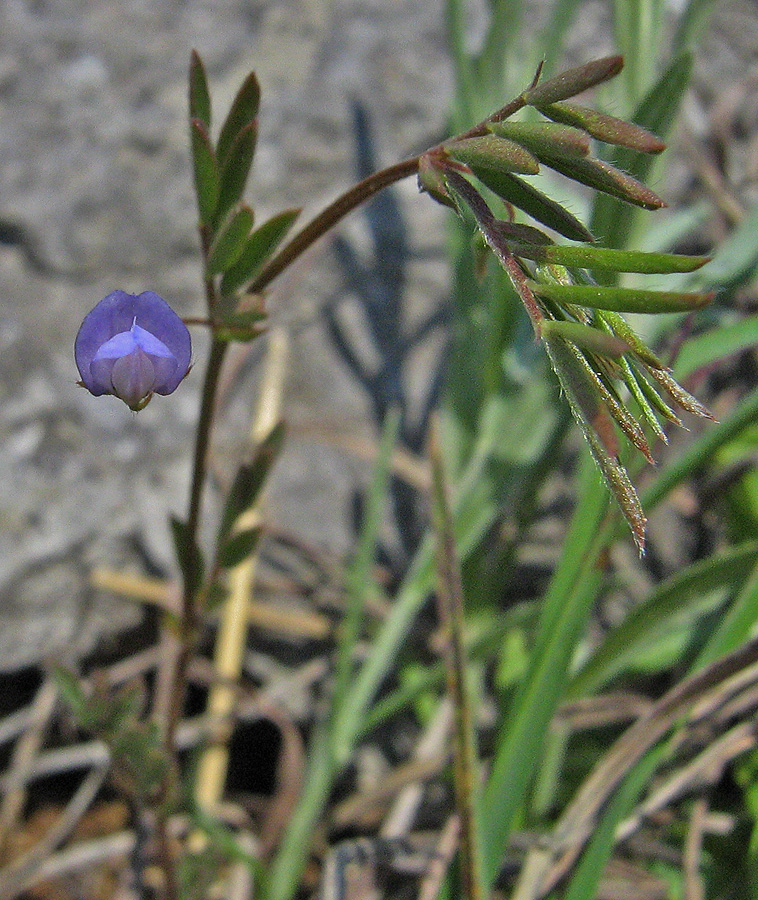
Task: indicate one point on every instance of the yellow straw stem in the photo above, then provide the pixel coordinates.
(232, 632)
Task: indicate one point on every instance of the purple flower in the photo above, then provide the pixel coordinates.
(132, 347)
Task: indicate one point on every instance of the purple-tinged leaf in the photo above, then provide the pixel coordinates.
(624, 330)
(527, 235)
(606, 391)
(536, 204)
(489, 227)
(431, 178)
(582, 394)
(574, 81)
(605, 128)
(678, 394)
(632, 380)
(602, 176)
(492, 152)
(597, 428)
(656, 113)
(652, 395)
(545, 137)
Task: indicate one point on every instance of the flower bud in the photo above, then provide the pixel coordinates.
(132, 347)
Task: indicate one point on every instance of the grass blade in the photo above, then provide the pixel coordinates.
(589, 870)
(673, 604)
(738, 623)
(565, 610)
(700, 452)
(359, 574)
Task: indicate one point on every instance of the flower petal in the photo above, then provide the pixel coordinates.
(133, 378)
(157, 317)
(112, 315)
(121, 344)
(149, 342)
(166, 371)
(132, 345)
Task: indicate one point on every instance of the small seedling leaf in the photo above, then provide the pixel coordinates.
(602, 176)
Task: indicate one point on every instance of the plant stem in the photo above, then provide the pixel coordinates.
(190, 611)
(358, 194)
(190, 614)
(450, 605)
(330, 216)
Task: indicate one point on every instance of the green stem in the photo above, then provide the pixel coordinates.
(284, 876)
(202, 440)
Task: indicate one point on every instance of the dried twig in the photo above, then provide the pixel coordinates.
(704, 769)
(550, 863)
(440, 863)
(693, 883)
(24, 753)
(354, 808)
(431, 745)
(16, 877)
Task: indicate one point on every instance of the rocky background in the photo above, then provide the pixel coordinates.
(95, 194)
